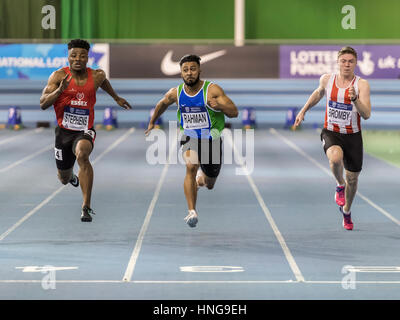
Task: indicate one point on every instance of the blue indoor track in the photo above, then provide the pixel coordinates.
(273, 234)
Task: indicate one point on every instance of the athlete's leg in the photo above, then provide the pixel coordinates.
(189, 185)
(65, 176)
(351, 188)
(82, 152)
(200, 178)
(335, 157)
(65, 158)
(203, 180)
(208, 172)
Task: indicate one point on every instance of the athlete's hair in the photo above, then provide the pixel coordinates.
(79, 43)
(345, 50)
(189, 58)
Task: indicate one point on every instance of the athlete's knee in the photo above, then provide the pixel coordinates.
(63, 180)
(335, 155)
(64, 177)
(336, 158)
(191, 168)
(83, 150)
(82, 156)
(210, 182)
(210, 186)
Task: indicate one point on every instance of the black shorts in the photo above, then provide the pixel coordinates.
(209, 151)
(65, 144)
(351, 144)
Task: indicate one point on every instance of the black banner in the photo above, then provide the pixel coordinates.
(162, 61)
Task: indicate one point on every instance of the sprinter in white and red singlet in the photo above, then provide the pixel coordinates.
(348, 100)
(72, 91)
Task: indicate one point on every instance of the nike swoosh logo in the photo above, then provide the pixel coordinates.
(170, 68)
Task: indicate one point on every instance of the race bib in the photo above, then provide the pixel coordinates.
(195, 118)
(75, 118)
(339, 113)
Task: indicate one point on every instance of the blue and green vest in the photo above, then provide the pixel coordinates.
(196, 118)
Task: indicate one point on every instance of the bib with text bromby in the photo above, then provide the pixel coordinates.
(339, 113)
(75, 118)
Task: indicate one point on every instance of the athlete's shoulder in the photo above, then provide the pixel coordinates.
(57, 75)
(324, 79)
(214, 87)
(98, 73)
(362, 79)
(60, 72)
(172, 94)
(363, 83)
(98, 76)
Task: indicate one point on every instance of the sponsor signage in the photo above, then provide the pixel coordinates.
(162, 61)
(38, 61)
(374, 61)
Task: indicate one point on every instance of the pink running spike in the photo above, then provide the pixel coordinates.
(339, 196)
(347, 223)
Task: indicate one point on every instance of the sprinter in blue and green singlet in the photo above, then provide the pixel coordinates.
(202, 107)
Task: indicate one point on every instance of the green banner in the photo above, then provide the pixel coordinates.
(150, 19)
(206, 19)
(322, 19)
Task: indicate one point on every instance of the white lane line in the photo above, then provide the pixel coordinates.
(373, 269)
(211, 281)
(211, 269)
(328, 172)
(158, 281)
(50, 197)
(43, 269)
(30, 213)
(355, 282)
(135, 254)
(292, 263)
(7, 140)
(207, 281)
(17, 163)
(62, 281)
(113, 145)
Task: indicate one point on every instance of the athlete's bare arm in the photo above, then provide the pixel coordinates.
(57, 83)
(314, 98)
(169, 98)
(363, 102)
(102, 82)
(218, 100)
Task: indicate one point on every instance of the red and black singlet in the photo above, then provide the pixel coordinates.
(75, 106)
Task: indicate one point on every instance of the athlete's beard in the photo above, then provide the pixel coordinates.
(192, 83)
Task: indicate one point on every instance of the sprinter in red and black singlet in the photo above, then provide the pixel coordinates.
(72, 91)
(348, 100)
(75, 106)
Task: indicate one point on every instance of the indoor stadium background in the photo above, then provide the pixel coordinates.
(287, 46)
(268, 56)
